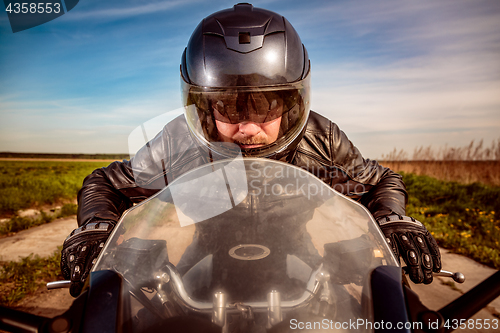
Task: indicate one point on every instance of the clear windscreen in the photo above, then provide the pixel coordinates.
(259, 233)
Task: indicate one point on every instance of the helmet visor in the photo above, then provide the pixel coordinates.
(206, 107)
(237, 106)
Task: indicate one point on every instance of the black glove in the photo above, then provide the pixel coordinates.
(410, 239)
(80, 251)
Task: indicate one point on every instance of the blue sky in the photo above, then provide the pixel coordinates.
(391, 74)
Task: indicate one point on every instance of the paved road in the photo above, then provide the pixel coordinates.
(44, 240)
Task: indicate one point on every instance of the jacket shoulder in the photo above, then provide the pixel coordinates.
(325, 144)
(167, 155)
(320, 137)
(318, 123)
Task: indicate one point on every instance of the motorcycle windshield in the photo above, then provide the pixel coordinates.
(247, 242)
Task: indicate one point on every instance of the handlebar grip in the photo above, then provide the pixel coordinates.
(58, 284)
(457, 276)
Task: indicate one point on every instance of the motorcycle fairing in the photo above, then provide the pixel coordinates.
(248, 229)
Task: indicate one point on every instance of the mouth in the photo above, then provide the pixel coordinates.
(250, 145)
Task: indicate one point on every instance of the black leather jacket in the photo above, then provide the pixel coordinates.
(324, 150)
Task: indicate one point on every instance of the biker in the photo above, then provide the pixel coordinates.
(245, 78)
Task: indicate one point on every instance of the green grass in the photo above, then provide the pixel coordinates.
(21, 278)
(65, 156)
(462, 217)
(30, 184)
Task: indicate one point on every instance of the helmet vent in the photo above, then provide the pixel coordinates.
(243, 6)
(244, 37)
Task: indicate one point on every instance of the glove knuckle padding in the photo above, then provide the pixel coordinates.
(393, 243)
(434, 251)
(412, 256)
(80, 249)
(417, 246)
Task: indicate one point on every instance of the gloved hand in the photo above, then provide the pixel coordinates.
(410, 239)
(80, 251)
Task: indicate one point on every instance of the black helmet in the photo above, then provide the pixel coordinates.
(246, 64)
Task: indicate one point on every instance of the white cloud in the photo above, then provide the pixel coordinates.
(127, 10)
(76, 125)
(434, 77)
(404, 105)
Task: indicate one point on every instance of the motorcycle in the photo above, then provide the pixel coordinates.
(249, 245)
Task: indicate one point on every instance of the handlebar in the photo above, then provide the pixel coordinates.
(58, 284)
(457, 276)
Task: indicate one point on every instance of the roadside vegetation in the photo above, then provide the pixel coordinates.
(64, 156)
(21, 278)
(455, 192)
(464, 218)
(475, 162)
(34, 184)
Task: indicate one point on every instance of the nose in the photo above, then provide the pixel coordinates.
(249, 128)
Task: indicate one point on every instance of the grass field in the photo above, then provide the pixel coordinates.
(455, 192)
(475, 162)
(33, 184)
(466, 172)
(462, 217)
(64, 156)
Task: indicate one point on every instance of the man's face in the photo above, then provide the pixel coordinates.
(250, 134)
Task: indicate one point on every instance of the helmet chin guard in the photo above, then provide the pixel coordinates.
(246, 64)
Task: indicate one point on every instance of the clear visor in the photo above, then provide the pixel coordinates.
(205, 107)
(240, 105)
